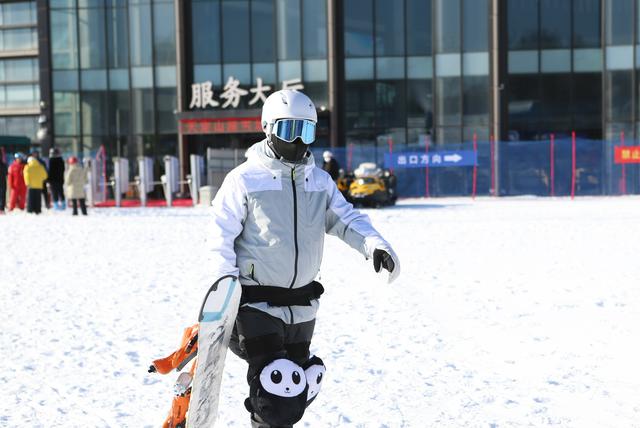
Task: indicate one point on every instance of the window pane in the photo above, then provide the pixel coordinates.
(389, 29)
(418, 27)
(140, 33)
(66, 113)
(619, 25)
(522, 16)
(20, 13)
(118, 45)
(235, 31)
(166, 101)
(314, 22)
(358, 27)
(63, 39)
(524, 106)
(476, 100)
(555, 24)
(92, 38)
(119, 112)
(476, 25)
(448, 101)
(19, 39)
(555, 106)
(360, 104)
(288, 29)
(18, 70)
(390, 103)
(587, 104)
(142, 103)
(619, 91)
(94, 112)
(164, 38)
(206, 44)
(448, 25)
(262, 34)
(586, 23)
(419, 103)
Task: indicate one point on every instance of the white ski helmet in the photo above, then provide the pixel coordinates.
(287, 104)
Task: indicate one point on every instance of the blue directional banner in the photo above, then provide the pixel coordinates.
(445, 158)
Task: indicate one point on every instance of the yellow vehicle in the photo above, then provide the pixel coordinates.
(371, 186)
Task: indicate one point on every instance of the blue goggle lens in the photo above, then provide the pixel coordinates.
(290, 129)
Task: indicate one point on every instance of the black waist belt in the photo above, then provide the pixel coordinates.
(280, 296)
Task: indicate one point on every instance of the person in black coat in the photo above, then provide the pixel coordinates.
(56, 178)
(330, 165)
(3, 183)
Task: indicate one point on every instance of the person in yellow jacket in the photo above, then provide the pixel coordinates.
(34, 177)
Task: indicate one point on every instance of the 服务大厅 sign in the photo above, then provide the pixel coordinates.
(203, 94)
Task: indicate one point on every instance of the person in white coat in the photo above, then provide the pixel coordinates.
(270, 218)
(75, 178)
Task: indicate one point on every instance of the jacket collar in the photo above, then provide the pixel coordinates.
(261, 152)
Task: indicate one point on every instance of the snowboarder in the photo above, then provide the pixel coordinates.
(270, 217)
(56, 178)
(15, 180)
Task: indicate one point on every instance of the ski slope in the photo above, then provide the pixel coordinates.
(508, 313)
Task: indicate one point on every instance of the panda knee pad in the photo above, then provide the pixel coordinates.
(314, 370)
(278, 393)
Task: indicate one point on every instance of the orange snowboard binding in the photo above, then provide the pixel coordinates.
(187, 352)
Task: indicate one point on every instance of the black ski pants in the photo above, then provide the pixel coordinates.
(83, 206)
(57, 192)
(34, 201)
(258, 338)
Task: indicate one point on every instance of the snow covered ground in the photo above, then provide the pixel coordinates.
(508, 313)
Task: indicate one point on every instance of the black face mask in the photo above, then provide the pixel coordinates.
(291, 152)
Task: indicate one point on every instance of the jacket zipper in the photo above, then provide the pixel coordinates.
(295, 232)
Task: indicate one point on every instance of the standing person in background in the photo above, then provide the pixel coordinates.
(35, 176)
(330, 165)
(45, 193)
(16, 183)
(3, 183)
(74, 180)
(56, 178)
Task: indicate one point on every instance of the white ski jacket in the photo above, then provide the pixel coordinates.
(270, 218)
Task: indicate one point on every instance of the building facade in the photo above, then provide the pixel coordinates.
(157, 77)
(19, 69)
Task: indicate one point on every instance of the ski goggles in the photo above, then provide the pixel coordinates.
(290, 129)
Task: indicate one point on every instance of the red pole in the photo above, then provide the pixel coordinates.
(573, 164)
(426, 174)
(390, 141)
(623, 183)
(492, 165)
(553, 166)
(475, 165)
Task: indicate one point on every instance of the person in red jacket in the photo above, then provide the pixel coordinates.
(16, 183)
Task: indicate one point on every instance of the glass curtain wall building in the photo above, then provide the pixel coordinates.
(114, 76)
(155, 77)
(19, 69)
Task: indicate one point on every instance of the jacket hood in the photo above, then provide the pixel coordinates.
(262, 153)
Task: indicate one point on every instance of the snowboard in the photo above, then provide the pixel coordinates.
(217, 317)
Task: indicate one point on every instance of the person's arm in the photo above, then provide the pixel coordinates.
(229, 213)
(355, 228)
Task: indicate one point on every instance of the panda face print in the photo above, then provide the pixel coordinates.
(314, 375)
(283, 378)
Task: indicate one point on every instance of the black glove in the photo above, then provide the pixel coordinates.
(384, 259)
